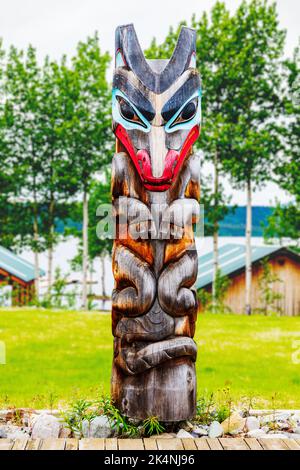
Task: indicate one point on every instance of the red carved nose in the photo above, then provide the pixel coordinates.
(144, 162)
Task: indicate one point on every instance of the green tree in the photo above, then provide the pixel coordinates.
(35, 111)
(100, 241)
(285, 220)
(216, 207)
(254, 105)
(100, 244)
(284, 223)
(88, 128)
(59, 185)
(23, 137)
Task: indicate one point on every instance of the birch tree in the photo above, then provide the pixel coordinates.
(254, 106)
(88, 128)
(23, 137)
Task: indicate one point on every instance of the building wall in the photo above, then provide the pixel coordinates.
(286, 269)
(22, 292)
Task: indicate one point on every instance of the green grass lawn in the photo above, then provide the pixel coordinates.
(68, 355)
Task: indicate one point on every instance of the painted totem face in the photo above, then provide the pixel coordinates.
(156, 106)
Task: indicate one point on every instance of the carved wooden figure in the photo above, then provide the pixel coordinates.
(155, 192)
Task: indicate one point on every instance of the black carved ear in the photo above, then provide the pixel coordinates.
(185, 49)
(127, 45)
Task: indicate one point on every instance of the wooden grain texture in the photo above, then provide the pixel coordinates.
(71, 444)
(292, 444)
(33, 444)
(91, 444)
(111, 444)
(202, 444)
(150, 444)
(214, 444)
(6, 444)
(273, 444)
(53, 444)
(233, 444)
(155, 194)
(188, 444)
(253, 443)
(169, 444)
(131, 444)
(20, 444)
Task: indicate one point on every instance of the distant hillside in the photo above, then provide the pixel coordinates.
(234, 224)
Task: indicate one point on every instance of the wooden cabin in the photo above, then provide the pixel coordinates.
(284, 264)
(19, 274)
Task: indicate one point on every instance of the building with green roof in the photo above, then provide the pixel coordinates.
(284, 265)
(18, 273)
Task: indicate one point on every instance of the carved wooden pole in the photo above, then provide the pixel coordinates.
(155, 192)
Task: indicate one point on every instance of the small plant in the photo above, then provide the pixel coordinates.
(248, 404)
(204, 408)
(52, 399)
(152, 426)
(17, 416)
(118, 421)
(79, 411)
(58, 288)
(222, 413)
(71, 299)
(224, 405)
(273, 424)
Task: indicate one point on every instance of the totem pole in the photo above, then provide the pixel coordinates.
(155, 193)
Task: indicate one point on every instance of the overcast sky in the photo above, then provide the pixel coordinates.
(55, 26)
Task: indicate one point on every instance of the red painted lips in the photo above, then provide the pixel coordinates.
(142, 160)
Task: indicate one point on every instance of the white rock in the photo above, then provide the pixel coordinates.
(277, 417)
(17, 434)
(215, 430)
(297, 430)
(182, 433)
(284, 425)
(268, 419)
(257, 433)
(3, 433)
(200, 431)
(234, 424)
(98, 427)
(283, 416)
(252, 423)
(45, 426)
(296, 417)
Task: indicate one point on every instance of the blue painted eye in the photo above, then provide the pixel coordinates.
(127, 114)
(188, 111)
(126, 109)
(187, 116)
